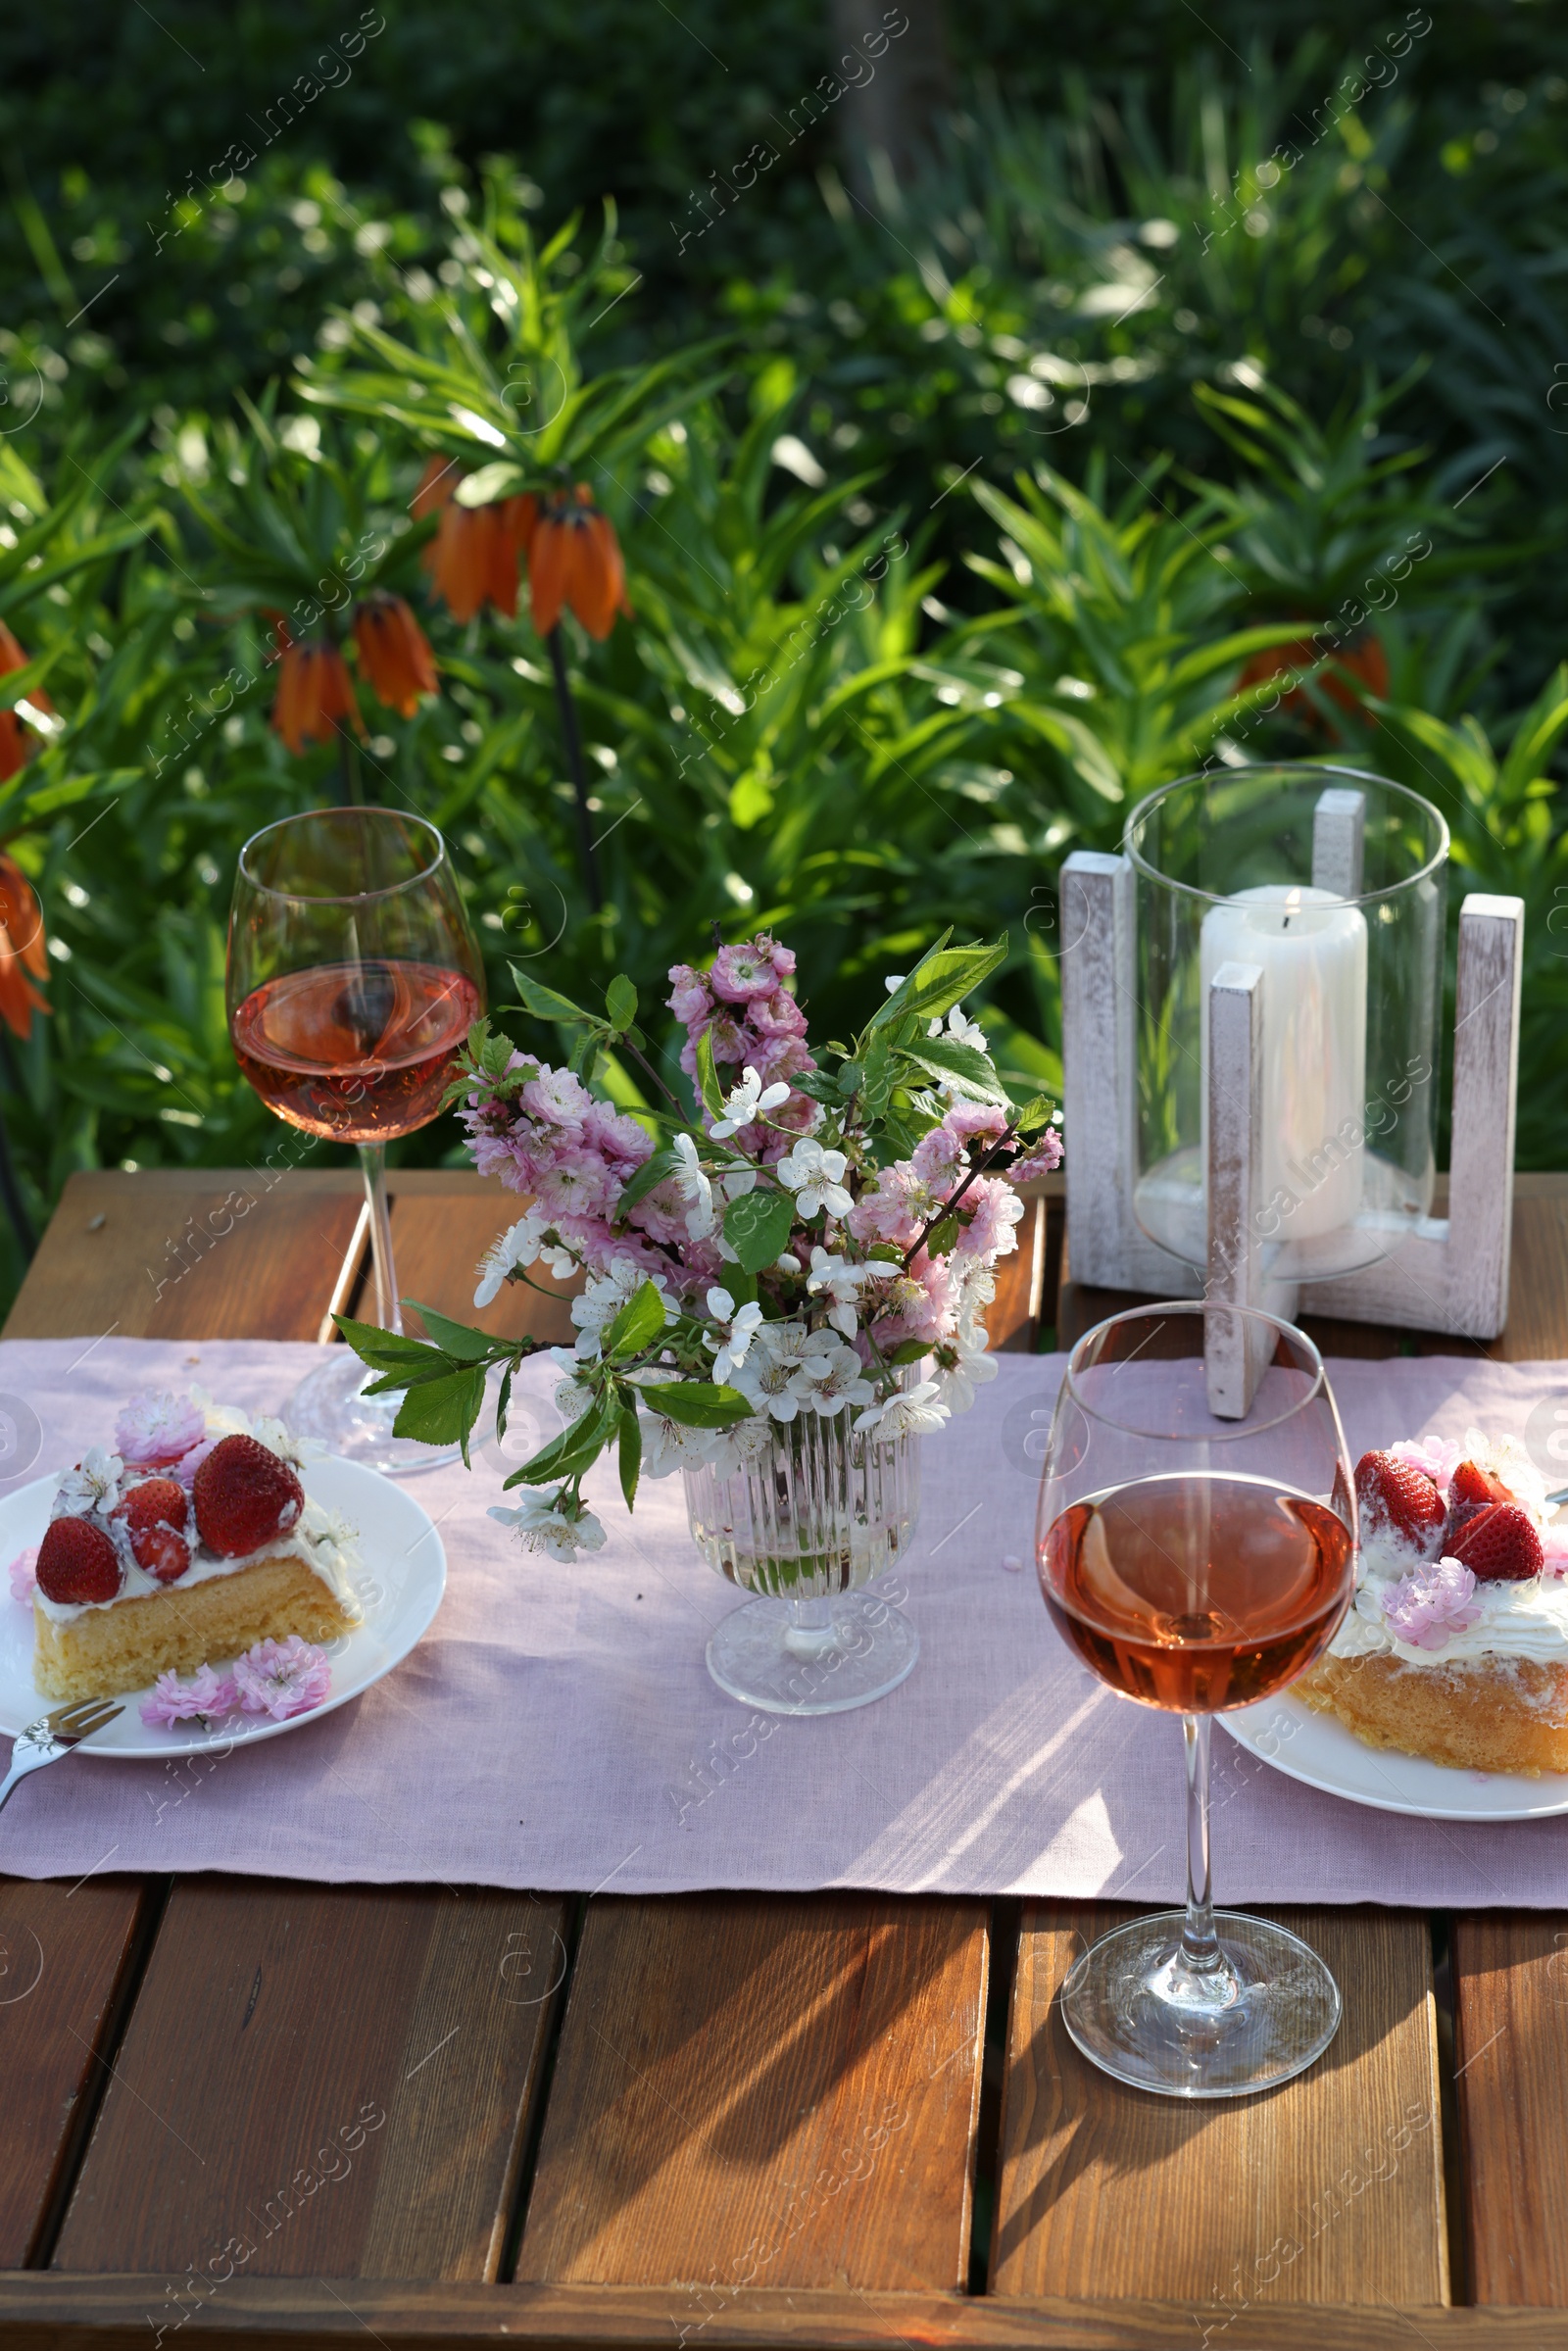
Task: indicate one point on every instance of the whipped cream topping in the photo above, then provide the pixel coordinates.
(322, 1538)
(1523, 1619)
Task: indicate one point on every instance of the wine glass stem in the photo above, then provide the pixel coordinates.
(388, 1313)
(1200, 1945)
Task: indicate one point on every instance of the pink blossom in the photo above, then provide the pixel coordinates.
(895, 1206)
(176, 1701)
(154, 1430)
(755, 967)
(1426, 1608)
(282, 1678)
(502, 1156)
(185, 1468)
(775, 1016)
(24, 1575)
(1554, 1543)
(1439, 1457)
(988, 1214)
(1041, 1161)
(558, 1098)
(970, 1119)
(690, 1002)
(575, 1182)
(730, 1042)
(619, 1137)
(915, 1305)
(938, 1158)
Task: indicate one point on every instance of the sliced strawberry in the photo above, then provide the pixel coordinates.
(155, 1514)
(1396, 1498)
(77, 1563)
(1500, 1545)
(245, 1496)
(1473, 1484)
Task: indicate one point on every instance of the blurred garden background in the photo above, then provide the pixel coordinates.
(999, 416)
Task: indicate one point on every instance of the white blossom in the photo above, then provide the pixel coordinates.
(93, 1485)
(841, 1283)
(970, 1368)
(785, 1366)
(735, 1329)
(669, 1445)
(693, 1186)
(279, 1439)
(604, 1297)
(526, 1241)
(815, 1176)
(960, 1030)
(843, 1382)
(736, 1447)
(908, 1413)
(747, 1103)
(548, 1522)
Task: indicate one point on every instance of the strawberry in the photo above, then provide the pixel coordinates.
(1473, 1484)
(154, 1515)
(245, 1496)
(1500, 1545)
(1397, 1496)
(76, 1562)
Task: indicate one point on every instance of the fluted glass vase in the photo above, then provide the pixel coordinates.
(805, 1523)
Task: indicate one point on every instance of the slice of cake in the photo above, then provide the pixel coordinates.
(1455, 1647)
(190, 1542)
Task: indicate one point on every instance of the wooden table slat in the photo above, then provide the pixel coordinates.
(1328, 2190)
(339, 2078)
(763, 2088)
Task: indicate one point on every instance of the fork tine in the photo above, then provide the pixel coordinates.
(83, 1719)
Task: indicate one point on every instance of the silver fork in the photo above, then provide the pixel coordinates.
(55, 1735)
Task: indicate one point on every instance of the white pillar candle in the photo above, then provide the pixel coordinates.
(1312, 950)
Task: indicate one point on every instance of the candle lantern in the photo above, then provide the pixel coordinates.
(1252, 998)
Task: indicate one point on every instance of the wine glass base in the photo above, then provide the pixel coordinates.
(762, 1657)
(331, 1404)
(1278, 2009)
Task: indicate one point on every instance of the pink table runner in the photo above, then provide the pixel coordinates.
(557, 1726)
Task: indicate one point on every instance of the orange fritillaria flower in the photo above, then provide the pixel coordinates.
(472, 559)
(1364, 659)
(16, 738)
(314, 692)
(394, 653)
(437, 482)
(575, 561)
(21, 944)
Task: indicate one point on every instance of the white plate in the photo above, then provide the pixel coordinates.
(399, 1586)
(1318, 1749)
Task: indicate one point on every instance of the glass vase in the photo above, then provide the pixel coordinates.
(817, 1511)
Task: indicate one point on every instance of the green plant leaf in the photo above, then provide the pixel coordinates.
(639, 1321)
(757, 1226)
(620, 1003)
(545, 1005)
(575, 1450)
(631, 1455)
(698, 1404)
(456, 1338)
(442, 1412)
(708, 1076)
(910, 1350)
(385, 1350)
(961, 1066)
(648, 1178)
(941, 1237)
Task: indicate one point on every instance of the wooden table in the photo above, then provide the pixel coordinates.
(306, 2112)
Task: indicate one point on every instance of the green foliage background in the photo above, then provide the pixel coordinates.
(951, 513)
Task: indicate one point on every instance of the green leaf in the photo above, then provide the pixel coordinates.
(940, 980)
(584, 1058)
(941, 1237)
(698, 1404)
(708, 1076)
(1037, 1111)
(757, 1226)
(620, 1003)
(631, 1455)
(639, 1321)
(575, 1450)
(442, 1412)
(648, 1178)
(878, 1076)
(456, 1338)
(962, 1066)
(852, 1077)
(910, 1350)
(384, 1351)
(545, 1005)
(499, 479)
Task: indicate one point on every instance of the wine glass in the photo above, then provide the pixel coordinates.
(1196, 1565)
(353, 977)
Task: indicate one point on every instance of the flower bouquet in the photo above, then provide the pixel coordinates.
(786, 1281)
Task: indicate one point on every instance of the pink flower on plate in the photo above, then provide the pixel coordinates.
(1439, 1457)
(281, 1677)
(1554, 1543)
(1426, 1608)
(188, 1464)
(206, 1694)
(158, 1429)
(23, 1572)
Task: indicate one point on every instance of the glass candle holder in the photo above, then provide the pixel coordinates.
(1333, 884)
